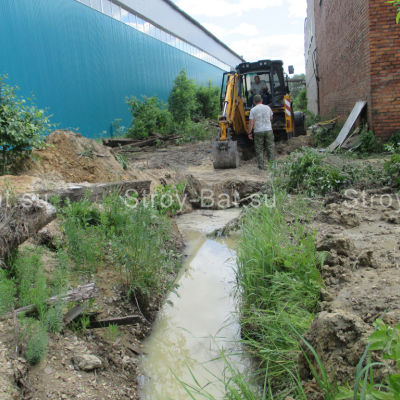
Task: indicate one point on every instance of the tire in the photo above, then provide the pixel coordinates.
(299, 124)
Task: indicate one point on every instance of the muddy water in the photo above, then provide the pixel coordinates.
(198, 320)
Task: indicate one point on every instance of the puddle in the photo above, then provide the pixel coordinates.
(198, 320)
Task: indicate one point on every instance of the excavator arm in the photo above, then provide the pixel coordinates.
(232, 119)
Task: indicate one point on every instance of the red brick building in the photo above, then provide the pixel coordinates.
(357, 57)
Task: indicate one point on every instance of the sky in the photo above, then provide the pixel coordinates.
(256, 30)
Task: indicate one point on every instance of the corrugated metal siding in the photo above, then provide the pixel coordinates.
(82, 64)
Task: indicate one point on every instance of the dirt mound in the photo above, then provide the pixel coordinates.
(70, 157)
(287, 147)
(361, 280)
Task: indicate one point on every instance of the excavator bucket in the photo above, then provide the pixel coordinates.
(225, 154)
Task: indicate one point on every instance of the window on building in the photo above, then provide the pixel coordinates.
(86, 2)
(116, 11)
(132, 20)
(146, 27)
(96, 4)
(140, 24)
(124, 16)
(107, 7)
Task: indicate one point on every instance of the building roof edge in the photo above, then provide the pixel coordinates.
(206, 31)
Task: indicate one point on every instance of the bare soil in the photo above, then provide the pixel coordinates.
(361, 237)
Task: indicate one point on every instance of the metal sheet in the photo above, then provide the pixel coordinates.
(348, 126)
(82, 64)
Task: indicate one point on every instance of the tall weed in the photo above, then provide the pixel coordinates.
(280, 284)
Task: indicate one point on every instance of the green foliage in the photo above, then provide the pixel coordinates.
(369, 143)
(149, 115)
(201, 130)
(311, 118)
(22, 125)
(385, 340)
(122, 160)
(29, 285)
(394, 140)
(112, 333)
(136, 237)
(36, 339)
(300, 101)
(323, 136)
(7, 292)
(31, 280)
(304, 171)
(167, 199)
(392, 166)
(396, 4)
(117, 130)
(181, 101)
(296, 87)
(207, 101)
(279, 285)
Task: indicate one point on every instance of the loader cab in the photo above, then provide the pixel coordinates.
(267, 71)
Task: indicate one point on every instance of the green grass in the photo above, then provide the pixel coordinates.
(135, 240)
(280, 284)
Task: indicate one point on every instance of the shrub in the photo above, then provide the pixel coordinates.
(181, 101)
(207, 101)
(323, 136)
(7, 292)
(300, 101)
(22, 125)
(31, 280)
(36, 339)
(369, 143)
(392, 166)
(394, 140)
(201, 130)
(149, 115)
(304, 171)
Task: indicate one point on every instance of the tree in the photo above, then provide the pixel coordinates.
(396, 3)
(181, 101)
(22, 125)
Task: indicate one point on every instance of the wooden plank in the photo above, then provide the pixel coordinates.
(80, 293)
(348, 126)
(74, 313)
(104, 323)
(97, 191)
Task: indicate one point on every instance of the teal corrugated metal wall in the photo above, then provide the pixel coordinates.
(82, 64)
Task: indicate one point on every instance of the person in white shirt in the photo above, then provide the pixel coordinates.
(261, 120)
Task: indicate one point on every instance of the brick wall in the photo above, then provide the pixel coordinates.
(342, 35)
(385, 69)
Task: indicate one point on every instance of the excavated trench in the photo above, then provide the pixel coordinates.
(199, 318)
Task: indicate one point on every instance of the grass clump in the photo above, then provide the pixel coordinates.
(26, 283)
(369, 143)
(305, 172)
(36, 339)
(280, 284)
(131, 235)
(392, 166)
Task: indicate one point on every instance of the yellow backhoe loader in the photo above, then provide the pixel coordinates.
(237, 93)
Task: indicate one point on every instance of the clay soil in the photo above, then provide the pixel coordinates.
(361, 272)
